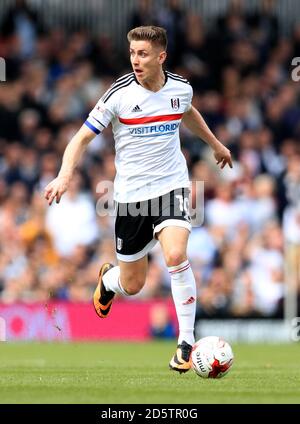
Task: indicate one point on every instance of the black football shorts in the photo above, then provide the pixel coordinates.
(138, 223)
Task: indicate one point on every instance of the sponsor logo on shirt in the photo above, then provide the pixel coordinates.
(154, 129)
(136, 109)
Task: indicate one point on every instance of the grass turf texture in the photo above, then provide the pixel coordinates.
(110, 373)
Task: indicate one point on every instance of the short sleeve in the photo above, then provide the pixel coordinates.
(189, 98)
(100, 117)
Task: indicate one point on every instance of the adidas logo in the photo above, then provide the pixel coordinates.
(136, 109)
(189, 301)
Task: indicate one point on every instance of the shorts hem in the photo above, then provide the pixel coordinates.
(172, 223)
(138, 255)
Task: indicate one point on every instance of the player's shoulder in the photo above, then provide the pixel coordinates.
(120, 83)
(177, 78)
(124, 78)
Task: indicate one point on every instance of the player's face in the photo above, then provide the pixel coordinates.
(146, 60)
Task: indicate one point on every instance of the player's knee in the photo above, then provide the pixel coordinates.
(132, 290)
(133, 285)
(175, 257)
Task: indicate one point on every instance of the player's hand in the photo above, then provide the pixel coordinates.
(223, 156)
(56, 188)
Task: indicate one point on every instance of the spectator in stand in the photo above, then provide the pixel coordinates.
(76, 211)
(22, 21)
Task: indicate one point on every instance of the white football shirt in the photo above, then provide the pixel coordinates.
(149, 161)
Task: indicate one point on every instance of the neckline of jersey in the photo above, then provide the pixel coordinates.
(150, 91)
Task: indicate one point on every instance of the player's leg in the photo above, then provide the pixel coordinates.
(127, 279)
(134, 239)
(133, 275)
(172, 228)
(173, 241)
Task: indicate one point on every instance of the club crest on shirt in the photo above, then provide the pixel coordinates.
(175, 103)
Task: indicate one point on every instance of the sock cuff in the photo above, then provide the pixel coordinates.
(179, 268)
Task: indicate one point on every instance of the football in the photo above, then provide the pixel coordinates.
(212, 357)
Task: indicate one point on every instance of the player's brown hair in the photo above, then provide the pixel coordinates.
(156, 35)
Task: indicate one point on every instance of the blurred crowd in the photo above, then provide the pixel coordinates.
(240, 69)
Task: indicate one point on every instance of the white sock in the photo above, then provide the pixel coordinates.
(183, 287)
(111, 281)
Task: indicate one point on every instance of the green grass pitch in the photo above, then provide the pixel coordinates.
(111, 373)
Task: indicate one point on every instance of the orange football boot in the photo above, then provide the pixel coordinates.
(181, 361)
(103, 298)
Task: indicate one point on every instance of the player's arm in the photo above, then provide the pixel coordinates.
(193, 120)
(74, 150)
